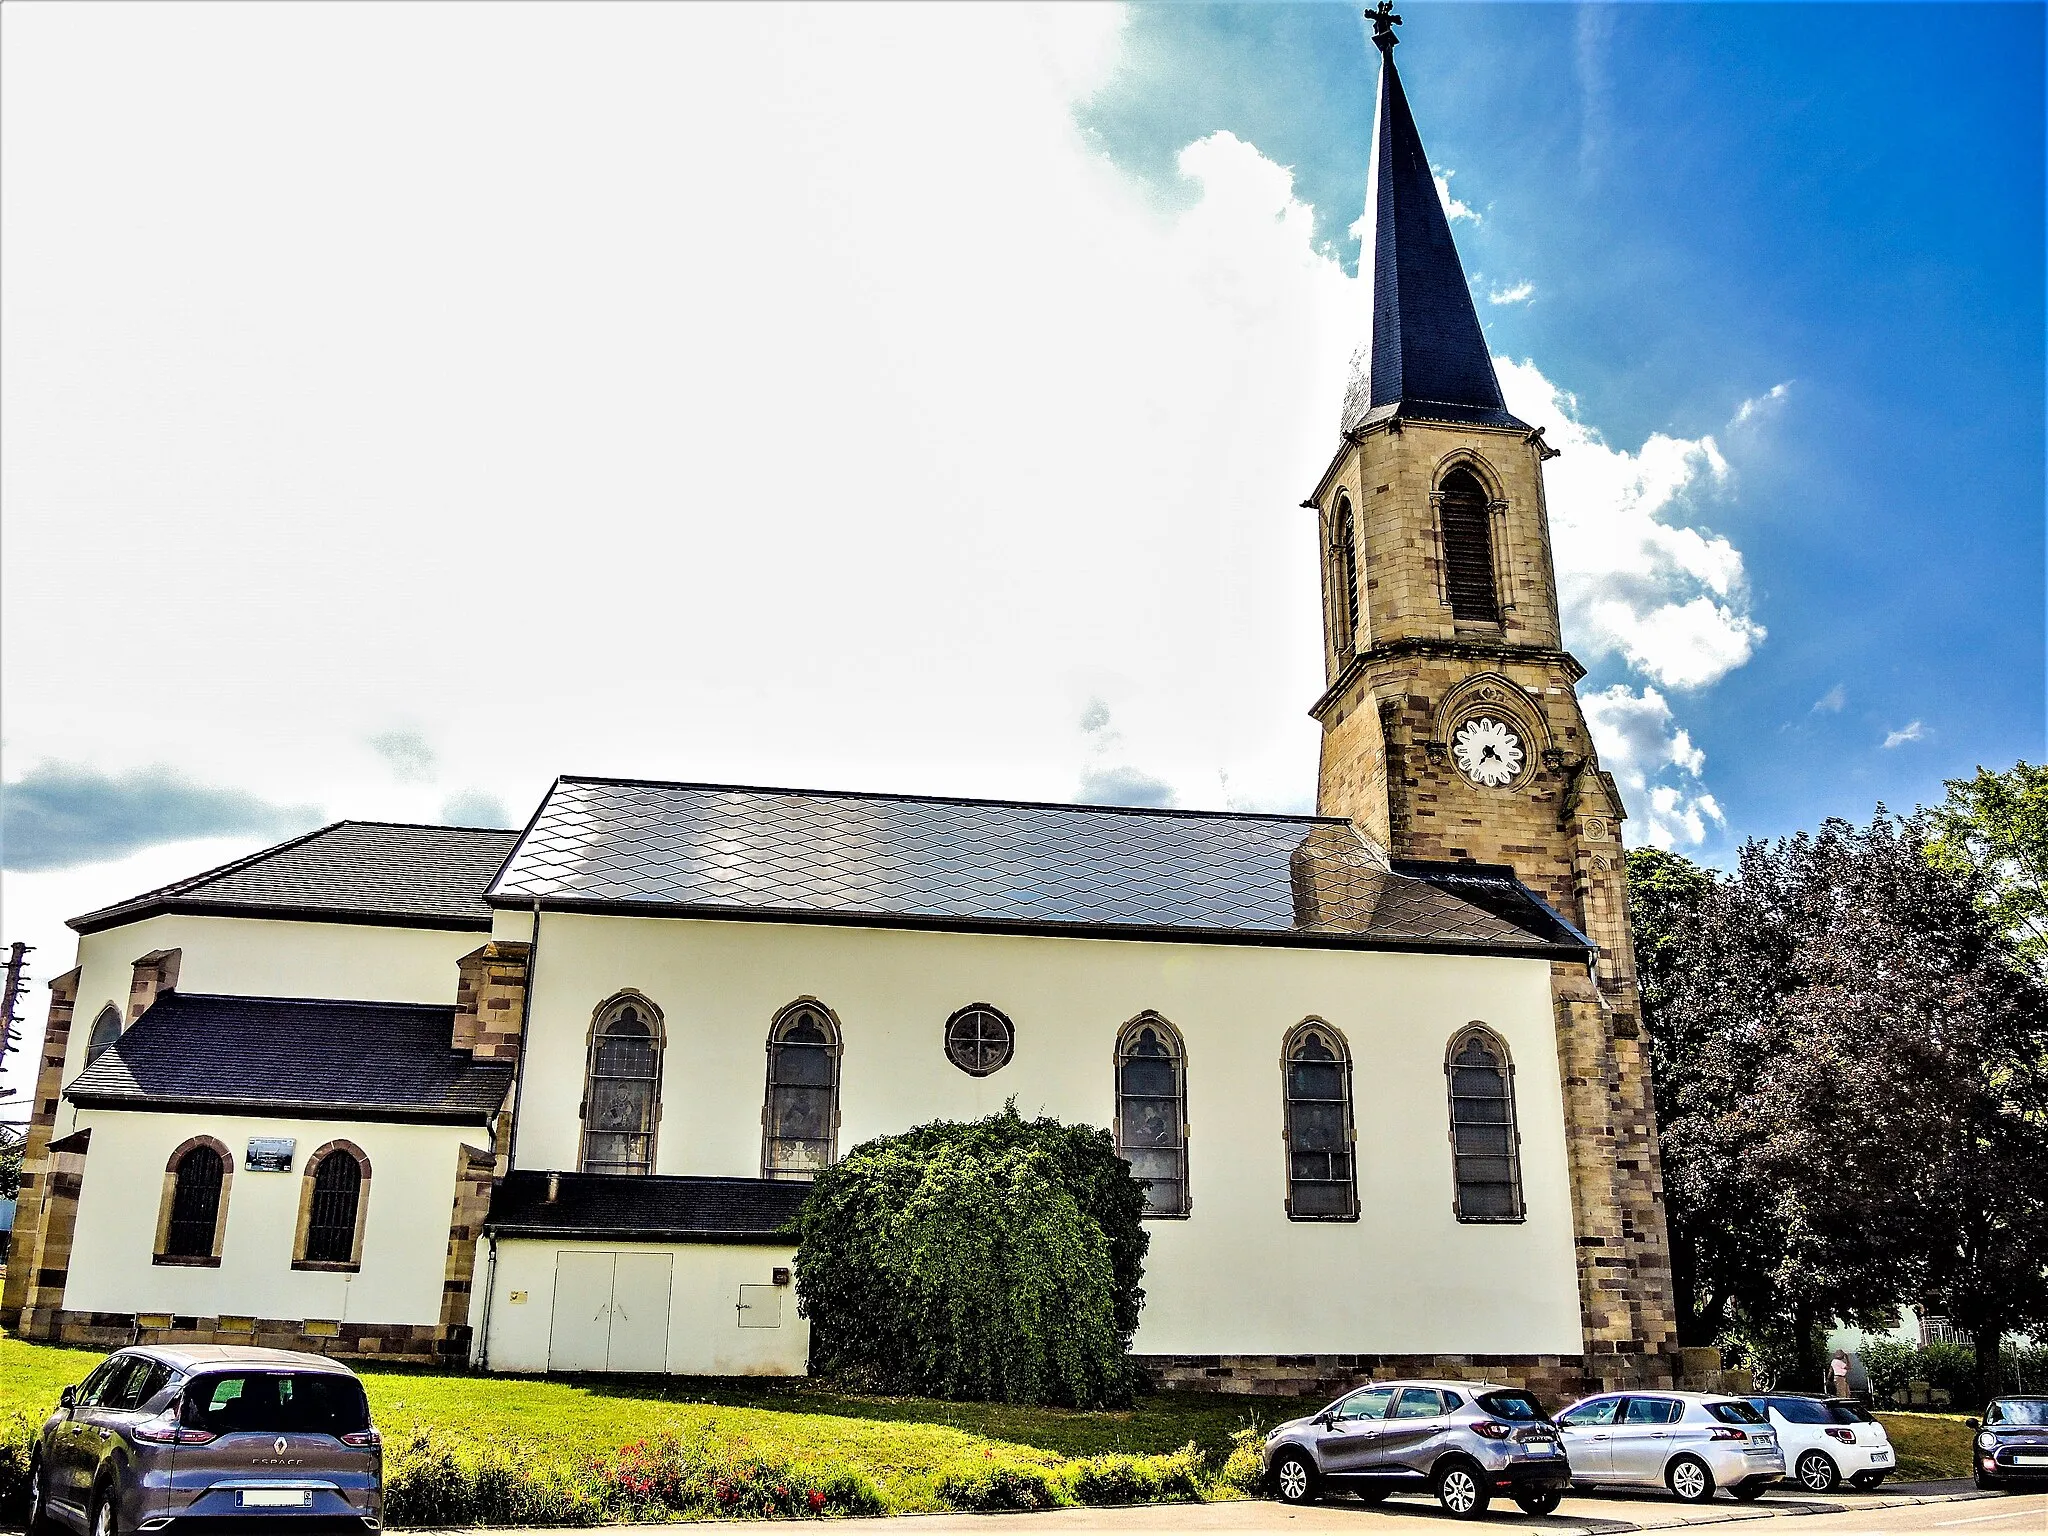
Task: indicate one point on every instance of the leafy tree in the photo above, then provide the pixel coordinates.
(998, 1259)
(1847, 1060)
(1996, 826)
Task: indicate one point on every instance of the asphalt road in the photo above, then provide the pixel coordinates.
(1930, 1510)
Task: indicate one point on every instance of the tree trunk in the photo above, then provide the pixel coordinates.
(1808, 1367)
(1987, 1333)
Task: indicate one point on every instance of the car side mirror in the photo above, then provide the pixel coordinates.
(68, 1398)
(1971, 1424)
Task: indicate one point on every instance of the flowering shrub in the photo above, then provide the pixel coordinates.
(1136, 1479)
(700, 1474)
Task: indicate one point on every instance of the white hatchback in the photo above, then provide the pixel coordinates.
(1829, 1441)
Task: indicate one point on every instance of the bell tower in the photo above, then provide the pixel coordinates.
(1451, 724)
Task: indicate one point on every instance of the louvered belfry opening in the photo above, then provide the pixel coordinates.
(331, 1227)
(1468, 549)
(195, 1204)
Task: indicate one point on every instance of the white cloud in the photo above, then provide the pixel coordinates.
(1905, 733)
(1831, 702)
(1453, 209)
(1633, 579)
(1516, 293)
(1770, 399)
(1654, 762)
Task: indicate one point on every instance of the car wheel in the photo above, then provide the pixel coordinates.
(1867, 1481)
(106, 1520)
(36, 1517)
(1750, 1489)
(1986, 1483)
(1462, 1491)
(1539, 1503)
(1817, 1472)
(1690, 1480)
(1294, 1479)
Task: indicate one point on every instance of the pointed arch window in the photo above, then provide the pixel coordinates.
(1486, 1147)
(801, 1116)
(1464, 508)
(1344, 580)
(195, 1202)
(334, 1199)
(622, 1101)
(1152, 1111)
(106, 1029)
(1322, 1175)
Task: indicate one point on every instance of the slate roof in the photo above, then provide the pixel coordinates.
(271, 1055)
(352, 871)
(649, 1207)
(1426, 357)
(908, 861)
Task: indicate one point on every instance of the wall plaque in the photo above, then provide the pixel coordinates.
(270, 1154)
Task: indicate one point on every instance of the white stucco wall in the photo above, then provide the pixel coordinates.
(1237, 1275)
(405, 1237)
(256, 957)
(704, 1334)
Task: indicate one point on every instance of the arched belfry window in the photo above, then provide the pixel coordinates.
(1322, 1176)
(1486, 1149)
(1152, 1111)
(334, 1199)
(1344, 579)
(106, 1029)
(1463, 507)
(191, 1219)
(622, 1100)
(801, 1117)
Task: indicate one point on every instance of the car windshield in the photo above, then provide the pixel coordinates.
(1519, 1406)
(1736, 1413)
(2030, 1411)
(1802, 1410)
(310, 1402)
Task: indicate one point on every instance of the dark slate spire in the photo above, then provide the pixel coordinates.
(1424, 357)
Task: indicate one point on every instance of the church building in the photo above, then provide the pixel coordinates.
(548, 1100)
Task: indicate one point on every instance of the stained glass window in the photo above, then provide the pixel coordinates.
(624, 1092)
(979, 1040)
(1486, 1153)
(1321, 1179)
(1151, 1112)
(803, 1093)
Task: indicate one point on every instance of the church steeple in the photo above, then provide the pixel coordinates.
(1424, 356)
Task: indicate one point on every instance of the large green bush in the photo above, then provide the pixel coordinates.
(1891, 1363)
(994, 1260)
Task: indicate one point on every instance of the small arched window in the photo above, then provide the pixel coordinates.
(622, 1100)
(801, 1117)
(195, 1200)
(1486, 1149)
(1468, 548)
(106, 1029)
(333, 1202)
(1344, 580)
(1322, 1183)
(1152, 1112)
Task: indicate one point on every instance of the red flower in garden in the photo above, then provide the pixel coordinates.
(817, 1500)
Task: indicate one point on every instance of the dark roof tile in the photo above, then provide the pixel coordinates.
(274, 1055)
(651, 1207)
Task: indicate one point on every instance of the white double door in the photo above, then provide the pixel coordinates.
(611, 1312)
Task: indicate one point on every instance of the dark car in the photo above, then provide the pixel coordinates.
(2012, 1442)
(213, 1436)
(1462, 1440)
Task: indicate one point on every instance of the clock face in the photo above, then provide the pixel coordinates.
(1488, 751)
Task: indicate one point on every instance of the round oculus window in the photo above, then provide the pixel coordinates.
(979, 1040)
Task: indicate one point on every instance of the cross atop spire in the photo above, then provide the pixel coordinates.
(1424, 356)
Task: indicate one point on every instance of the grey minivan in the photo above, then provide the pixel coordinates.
(214, 1437)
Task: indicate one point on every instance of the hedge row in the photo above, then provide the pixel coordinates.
(1892, 1363)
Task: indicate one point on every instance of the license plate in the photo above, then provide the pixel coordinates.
(1880, 1455)
(1542, 1448)
(276, 1498)
(2030, 1461)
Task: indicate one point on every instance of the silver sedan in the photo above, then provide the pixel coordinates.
(1689, 1442)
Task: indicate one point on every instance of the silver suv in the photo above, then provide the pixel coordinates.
(212, 1436)
(1463, 1440)
(1689, 1442)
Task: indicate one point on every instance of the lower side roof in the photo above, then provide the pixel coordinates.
(645, 1207)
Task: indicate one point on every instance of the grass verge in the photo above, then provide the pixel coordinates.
(1929, 1445)
(502, 1450)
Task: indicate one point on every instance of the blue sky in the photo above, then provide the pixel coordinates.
(920, 398)
(1709, 201)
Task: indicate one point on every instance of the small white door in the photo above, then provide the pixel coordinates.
(760, 1306)
(640, 1289)
(579, 1337)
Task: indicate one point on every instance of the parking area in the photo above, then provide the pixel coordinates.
(1933, 1509)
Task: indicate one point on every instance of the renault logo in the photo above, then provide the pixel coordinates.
(282, 1445)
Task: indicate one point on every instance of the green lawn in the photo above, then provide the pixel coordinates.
(902, 1444)
(1930, 1445)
